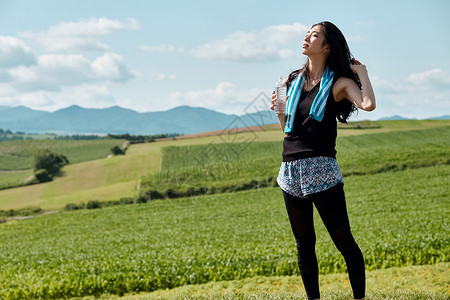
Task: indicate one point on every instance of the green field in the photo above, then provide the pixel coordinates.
(16, 156)
(169, 243)
(232, 244)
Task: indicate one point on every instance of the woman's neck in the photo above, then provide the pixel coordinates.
(316, 66)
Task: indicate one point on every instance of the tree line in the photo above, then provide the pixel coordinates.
(8, 135)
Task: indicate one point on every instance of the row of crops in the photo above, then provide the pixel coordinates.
(17, 155)
(215, 168)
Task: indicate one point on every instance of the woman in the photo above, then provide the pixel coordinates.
(331, 85)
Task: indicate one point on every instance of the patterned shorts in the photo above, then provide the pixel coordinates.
(309, 175)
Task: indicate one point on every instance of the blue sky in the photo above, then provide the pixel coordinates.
(156, 55)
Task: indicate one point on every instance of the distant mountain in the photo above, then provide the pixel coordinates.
(444, 117)
(394, 118)
(117, 120)
(11, 114)
(397, 117)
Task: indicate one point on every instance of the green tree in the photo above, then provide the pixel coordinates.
(116, 150)
(44, 159)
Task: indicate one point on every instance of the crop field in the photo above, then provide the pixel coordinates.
(213, 167)
(169, 243)
(17, 155)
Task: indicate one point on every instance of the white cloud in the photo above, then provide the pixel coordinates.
(226, 97)
(54, 71)
(164, 48)
(355, 38)
(8, 101)
(85, 95)
(14, 52)
(163, 76)
(431, 78)
(111, 67)
(37, 100)
(4, 76)
(386, 86)
(365, 23)
(268, 44)
(79, 36)
(6, 90)
(419, 95)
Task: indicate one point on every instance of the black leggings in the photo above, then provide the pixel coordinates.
(332, 209)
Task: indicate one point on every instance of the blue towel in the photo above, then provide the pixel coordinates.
(317, 108)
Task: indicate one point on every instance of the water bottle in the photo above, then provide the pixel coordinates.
(280, 93)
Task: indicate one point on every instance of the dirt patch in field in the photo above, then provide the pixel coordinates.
(224, 131)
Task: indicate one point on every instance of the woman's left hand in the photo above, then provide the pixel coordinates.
(357, 67)
(362, 96)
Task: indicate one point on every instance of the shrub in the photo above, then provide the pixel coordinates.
(73, 206)
(152, 194)
(141, 199)
(116, 150)
(42, 175)
(26, 211)
(126, 201)
(92, 204)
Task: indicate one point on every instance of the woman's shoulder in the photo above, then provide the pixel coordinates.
(339, 87)
(342, 81)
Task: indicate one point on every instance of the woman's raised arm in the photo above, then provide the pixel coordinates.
(363, 98)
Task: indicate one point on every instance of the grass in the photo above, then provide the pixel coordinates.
(105, 179)
(170, 243)
(405, 283)
(14, 178)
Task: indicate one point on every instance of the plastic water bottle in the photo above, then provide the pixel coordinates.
(280, 93)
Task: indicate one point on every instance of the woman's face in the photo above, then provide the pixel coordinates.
(313, 42)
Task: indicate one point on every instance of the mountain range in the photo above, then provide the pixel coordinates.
(118, 120)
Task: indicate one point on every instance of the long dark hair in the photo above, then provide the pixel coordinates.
(338, 61)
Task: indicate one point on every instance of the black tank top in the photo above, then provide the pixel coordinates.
(311, 138)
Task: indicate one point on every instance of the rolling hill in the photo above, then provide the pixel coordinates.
(118, 120)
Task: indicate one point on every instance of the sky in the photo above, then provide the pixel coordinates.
(222, 55)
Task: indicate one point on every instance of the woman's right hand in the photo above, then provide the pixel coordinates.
(272, 103)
